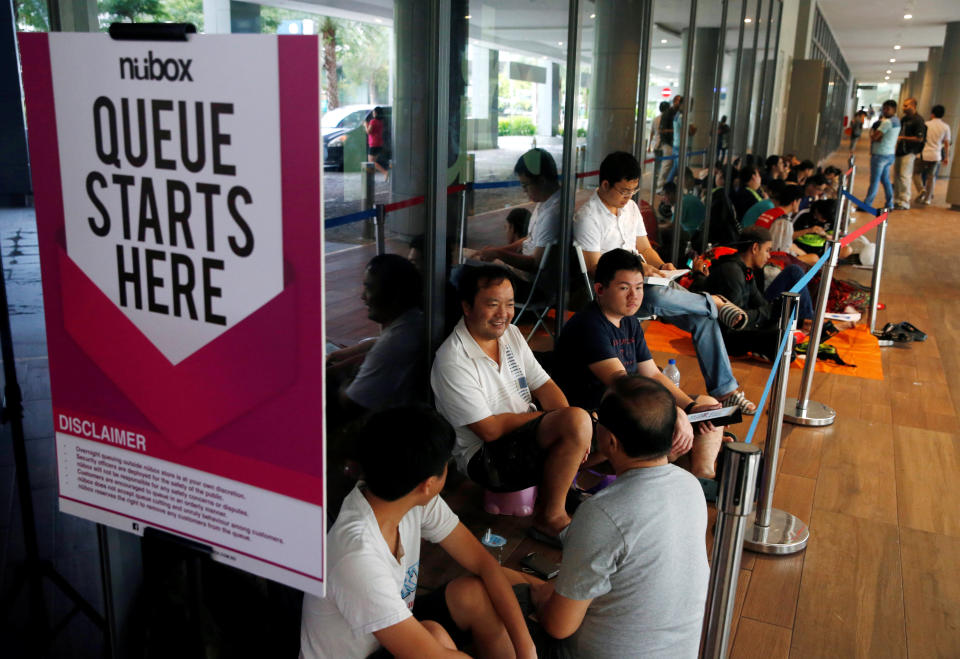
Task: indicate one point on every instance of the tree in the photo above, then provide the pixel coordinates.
(133, 10)
(328, 32)
(32, 15)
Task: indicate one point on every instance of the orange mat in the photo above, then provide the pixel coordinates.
(856, 346)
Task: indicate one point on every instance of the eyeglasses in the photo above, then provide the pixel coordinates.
(626, 194)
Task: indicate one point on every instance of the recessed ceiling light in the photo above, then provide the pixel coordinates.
(559, 43)
(886, 77)
(593, 15)
(663, 41)
(748, 20)
(907, 16)
(889, 71)
(892, 60)
(468, 17)
(897, 47)
(668, 66)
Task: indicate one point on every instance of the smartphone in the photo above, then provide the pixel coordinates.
(540, 566)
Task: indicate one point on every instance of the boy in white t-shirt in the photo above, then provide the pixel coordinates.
(373, 558)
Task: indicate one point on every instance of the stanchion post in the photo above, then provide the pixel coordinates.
(581, 164)
(657, 155)
(776, 531)
(801, 410)
(471, 177)
(368, 195)
(462, 229)
(877, 270)
(380, 228)
(738, 482)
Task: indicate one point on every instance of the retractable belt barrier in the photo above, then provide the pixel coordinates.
(453, 189)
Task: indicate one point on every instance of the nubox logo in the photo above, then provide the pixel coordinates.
(155, 68)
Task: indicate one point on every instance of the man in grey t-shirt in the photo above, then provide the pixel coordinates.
(634, 576)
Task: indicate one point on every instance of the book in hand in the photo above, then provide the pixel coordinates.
(725, 416)
(663, 281)
(849, 317)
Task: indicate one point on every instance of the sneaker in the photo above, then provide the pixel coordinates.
(901, 207)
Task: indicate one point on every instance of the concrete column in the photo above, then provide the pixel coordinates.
(701, 87)
(408, 178)
(484, 85)
(742, 105)
(931, 77)
(947, 94)
(216, 16)
(616, 65)
(917, 85)
(555, 98)
(544, 94)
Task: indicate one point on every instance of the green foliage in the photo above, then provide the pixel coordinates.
(32, 15)
(124, 11)
(516, 126)
(151, 11)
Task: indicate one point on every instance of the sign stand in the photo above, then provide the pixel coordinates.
(35, 569)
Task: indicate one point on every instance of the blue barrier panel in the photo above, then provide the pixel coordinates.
(859, 204)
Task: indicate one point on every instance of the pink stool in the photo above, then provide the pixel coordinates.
(518, 504)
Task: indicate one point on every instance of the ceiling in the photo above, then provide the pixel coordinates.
(867, 33)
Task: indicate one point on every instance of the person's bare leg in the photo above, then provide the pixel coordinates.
(565, 434)
(439, 633)
(471, 608)
(706, 447)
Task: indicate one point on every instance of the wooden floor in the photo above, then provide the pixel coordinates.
(880, 488)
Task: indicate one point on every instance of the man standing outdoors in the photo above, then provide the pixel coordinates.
(883, 145)
(936, 146)
(485, 379)
(909, 146)
(634, 576)
(666, 140)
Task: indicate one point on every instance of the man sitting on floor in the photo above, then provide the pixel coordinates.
(373, 558)
(786, 202)
(485, 379)
(389, 371)
(634, 576)
(609, 220)
(605, 341)
(750, 322)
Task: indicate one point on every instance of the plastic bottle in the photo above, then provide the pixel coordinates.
(672, 372)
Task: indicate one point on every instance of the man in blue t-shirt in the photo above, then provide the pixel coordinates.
(605, 342)
(883, 146)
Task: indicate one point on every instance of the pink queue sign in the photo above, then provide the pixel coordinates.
(179, 225)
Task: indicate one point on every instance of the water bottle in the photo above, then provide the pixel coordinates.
(672, 372)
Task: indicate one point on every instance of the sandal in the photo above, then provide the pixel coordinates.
(912, 331)
(893, 332)
(739, 399)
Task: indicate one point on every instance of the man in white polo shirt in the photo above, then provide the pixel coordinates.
(935, 150)
(610, 219)
(485, 379)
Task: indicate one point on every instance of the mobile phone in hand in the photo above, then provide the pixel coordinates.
(540, 566)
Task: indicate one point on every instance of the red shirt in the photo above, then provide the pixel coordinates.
(767, 218)
(374, 133)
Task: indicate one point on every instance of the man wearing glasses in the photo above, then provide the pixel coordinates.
(609, 220)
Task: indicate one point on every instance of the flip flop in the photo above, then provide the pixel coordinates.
(912, 331)
(542, 536)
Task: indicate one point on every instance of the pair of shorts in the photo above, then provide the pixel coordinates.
(374, 150)
(513, 462)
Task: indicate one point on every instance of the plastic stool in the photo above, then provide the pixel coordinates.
(518, 504)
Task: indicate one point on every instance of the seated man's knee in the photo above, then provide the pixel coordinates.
(793, 270)
(465, 597)
(576, 424)
(439, 634)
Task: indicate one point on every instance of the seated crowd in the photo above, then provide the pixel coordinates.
(599, 401)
